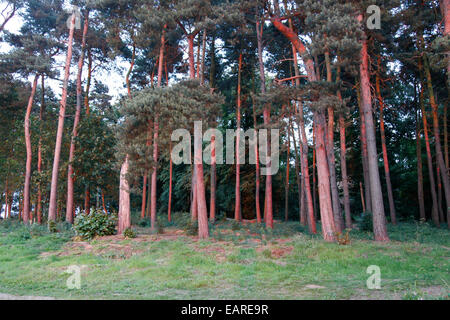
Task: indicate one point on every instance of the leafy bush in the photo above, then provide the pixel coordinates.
(365, 222)
(129, 233)
(98, 223)
(52, 226)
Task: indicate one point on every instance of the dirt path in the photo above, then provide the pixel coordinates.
(5, 296)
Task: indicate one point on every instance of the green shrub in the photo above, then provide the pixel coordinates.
(98, 223)
(129, 233)
(52, 226)
(365, 222)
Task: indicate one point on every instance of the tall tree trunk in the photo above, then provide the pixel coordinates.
(434, 212)
(124, 188)
(237, 208)
(364, 155)
(379, 219)
(343, 155)
(383, 145)
(298, 178)
(420, 196)
(259, 36)
(26, 188)
(198, 183)
(339, 221)
(286, 186)
(437, 139)
(124, 199)
(70, 172)
(326, 211)
(169, 210)
(39, 164)
(212, 204)
(59, 134)
(268, 205)
(348, 215)
(156, 137)
(88, 83)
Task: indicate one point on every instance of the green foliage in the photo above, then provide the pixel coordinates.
(97, 223)
(129, 233)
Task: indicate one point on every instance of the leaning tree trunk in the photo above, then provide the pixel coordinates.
(326, 210)
(59, 135)
(308, 213)
(379, 219)
(348, 215)
(385, 154)
(26, 188)
(70, 172)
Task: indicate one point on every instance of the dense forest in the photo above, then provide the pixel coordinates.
(358, 91)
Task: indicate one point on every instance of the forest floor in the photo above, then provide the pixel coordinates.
(238, 262)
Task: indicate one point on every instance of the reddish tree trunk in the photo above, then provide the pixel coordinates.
(348, 215)
(237, 208)
(286, 186)
(87, 200)
(62, 113)
(383, 145)
(88, 83)
(268, 204)
(39, 163)
(419, 171)
(437, 139)
(169, 210)
(339, 222)
(434, 212)
(328, 227)
(26, 188)
(379, 219)
(156, 137)
(70, 172)
(367, 197)
(212, 204)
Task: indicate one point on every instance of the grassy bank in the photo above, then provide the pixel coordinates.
(237, 263)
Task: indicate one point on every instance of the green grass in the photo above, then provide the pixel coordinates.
(237, 263)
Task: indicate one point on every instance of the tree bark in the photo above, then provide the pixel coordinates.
(237, 208)
(379, 219)
(59, 135)
(124, 199)
(437, 139)
(384, 148)
(348, 215)
(434, 212)
(26, 188)
(39, 163)
(420, 196)
(156, 137)
(364, 156)
(70, 172)
(339, 222)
